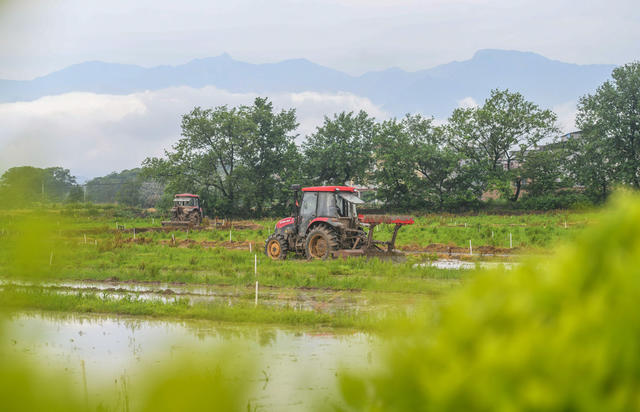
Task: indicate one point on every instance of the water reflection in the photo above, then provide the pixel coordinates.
(291, 366)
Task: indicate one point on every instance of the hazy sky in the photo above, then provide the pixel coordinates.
(38, 36)
(93, 134)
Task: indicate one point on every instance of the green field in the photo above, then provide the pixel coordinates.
(81, 282)
(98, 244)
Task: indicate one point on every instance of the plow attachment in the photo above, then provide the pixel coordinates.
(370, 247)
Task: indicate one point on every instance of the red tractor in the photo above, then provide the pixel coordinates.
(186, 211)
(325, 223)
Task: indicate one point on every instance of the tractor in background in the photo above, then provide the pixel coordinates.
(325, 223)
(186, 211)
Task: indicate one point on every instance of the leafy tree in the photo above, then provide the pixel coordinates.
(543, 172)
(397, 183)
(57, 183)
(130, 193)
(204, 161)
(76, 194)
(273, 155)
(610, 142)
(588, 164)
(340, 150)
(105, 189)
(416, 168)
(496, 136)
(23, 185)
(447, 179)
(239, 160)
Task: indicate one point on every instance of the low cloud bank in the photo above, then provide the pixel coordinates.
(94, 134)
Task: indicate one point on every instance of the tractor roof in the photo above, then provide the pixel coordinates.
(329, 189)
(187, 195)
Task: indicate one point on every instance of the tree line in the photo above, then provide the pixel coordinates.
(241, 160)
(505, 152)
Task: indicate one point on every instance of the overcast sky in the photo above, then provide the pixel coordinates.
(94, 134)
(38, 36)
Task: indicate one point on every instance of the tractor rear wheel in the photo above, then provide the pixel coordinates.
(276, 247)
(321, 241)
(194, 219)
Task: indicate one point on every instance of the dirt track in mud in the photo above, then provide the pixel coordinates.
(442, 249)
(435, 248)
(439, 249)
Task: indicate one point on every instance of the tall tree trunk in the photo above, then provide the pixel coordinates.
(516, 195)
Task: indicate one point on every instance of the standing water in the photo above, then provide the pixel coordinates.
(292, 368)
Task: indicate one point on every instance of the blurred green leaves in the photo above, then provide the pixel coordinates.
(31, 246)
(558, 335)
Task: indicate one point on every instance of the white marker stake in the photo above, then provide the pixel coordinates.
(134, 233)
(249, 247)
(565, 224)
(153, 221)
(256, 293)
(255, 272)
(229, 236)
(492, 234)
(470, 248)
(510, 241)
(85, 239)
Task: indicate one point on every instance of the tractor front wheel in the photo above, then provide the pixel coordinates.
(276, 247)
(321, 241)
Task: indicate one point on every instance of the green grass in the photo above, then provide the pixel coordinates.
(243, 312)
(76, 243)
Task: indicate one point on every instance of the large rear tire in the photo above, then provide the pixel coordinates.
(321, 242)
(194, 219)
(276, 247)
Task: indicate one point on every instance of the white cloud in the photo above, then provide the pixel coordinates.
(467, 103)
(566, 116)
(93, 134)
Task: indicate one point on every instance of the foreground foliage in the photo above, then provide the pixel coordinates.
(563, 335)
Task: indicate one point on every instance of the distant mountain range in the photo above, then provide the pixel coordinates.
(434, 91)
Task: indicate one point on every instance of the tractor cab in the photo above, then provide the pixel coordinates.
(186, 199)
(334, 204)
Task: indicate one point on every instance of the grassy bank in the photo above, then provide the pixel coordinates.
(44, 300)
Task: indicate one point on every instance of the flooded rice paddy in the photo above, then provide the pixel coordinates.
(291, 368)
(311, 299)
